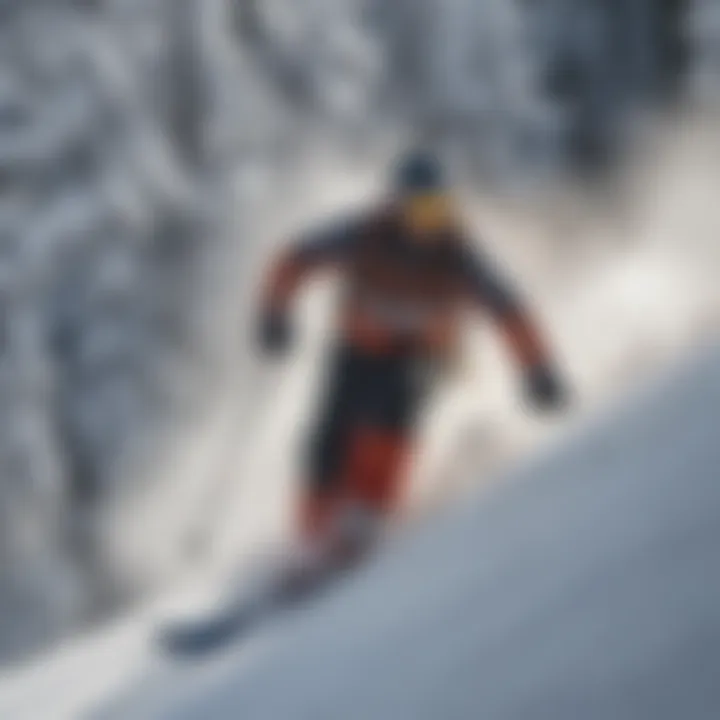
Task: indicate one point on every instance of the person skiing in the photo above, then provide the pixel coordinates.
(409, 272)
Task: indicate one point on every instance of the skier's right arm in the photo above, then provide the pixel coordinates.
(326, 249)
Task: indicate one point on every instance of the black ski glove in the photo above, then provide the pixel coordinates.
(544, 389)
(275, 334)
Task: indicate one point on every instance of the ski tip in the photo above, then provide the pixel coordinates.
(196, 640)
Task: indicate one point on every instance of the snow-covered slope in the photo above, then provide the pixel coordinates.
(587, 587)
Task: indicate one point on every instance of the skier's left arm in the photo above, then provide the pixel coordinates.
(544, 387)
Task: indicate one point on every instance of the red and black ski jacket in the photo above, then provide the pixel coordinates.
(402, 294)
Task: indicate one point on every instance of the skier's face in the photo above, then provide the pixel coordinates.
(426, 215)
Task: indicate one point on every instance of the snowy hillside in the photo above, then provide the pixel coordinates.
(587, 586)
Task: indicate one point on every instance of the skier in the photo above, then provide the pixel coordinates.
(408, 271)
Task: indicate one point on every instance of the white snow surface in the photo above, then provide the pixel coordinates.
(586, 586)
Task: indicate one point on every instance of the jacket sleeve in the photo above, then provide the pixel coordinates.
(327, 248)
(495, 294)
